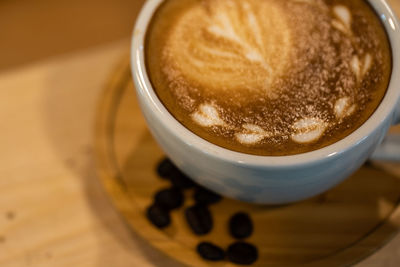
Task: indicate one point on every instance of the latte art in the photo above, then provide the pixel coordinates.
(220, 42)
(268, 77)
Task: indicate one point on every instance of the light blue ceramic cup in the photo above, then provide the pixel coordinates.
(265, 179)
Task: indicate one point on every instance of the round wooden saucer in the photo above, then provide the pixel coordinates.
(338, 228)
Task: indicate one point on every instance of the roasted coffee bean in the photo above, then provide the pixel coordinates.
(240, 225)
(211, 252)
(199, 219)
(158, 216)
(180, 180)
(205, 196)
(165, 168)
(171, 198)
(369, 164)
(242, 253)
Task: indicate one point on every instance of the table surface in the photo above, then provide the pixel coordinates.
(53, 209)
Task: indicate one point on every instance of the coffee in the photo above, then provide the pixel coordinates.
(268, 77)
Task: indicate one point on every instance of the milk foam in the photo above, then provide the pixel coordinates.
(360, 68)
(235, 44)
(344, 108)
(343, 19)
(207, 116)
(268, 71)
(252, 134)
(308, 130)
(230, 45)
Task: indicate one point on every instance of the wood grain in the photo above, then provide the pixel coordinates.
(334, 229)
(53, 210)
(32, 30)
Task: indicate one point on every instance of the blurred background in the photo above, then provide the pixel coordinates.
(56, 59)
(33, 30)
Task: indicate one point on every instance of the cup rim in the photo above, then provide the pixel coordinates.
(385, 110)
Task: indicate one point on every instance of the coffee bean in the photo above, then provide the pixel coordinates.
(199, 219)
(369, 164)
(242, 253)
(180, 180)
(169, 199)
(165, 168)
(240, 225)
(210, 251)
(205, 196)
(158, 216)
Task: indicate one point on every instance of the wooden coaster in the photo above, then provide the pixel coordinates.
(337, 228)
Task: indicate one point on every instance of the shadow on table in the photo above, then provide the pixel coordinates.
(339, 227)
(68, 117)
(344, 224)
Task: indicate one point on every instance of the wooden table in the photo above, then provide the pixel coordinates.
(53, 209)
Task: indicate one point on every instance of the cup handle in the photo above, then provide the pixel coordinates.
(389, 150)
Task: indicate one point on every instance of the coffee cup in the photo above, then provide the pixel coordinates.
(266, 179)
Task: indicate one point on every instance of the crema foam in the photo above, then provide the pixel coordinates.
(268, 77)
